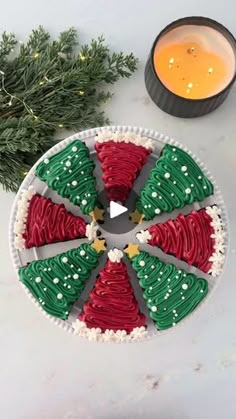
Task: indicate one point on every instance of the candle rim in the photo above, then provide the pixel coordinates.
(198, 21)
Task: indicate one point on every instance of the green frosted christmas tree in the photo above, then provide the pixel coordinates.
(57, 282)
(171, 294)
(175, 181)
(70, 174)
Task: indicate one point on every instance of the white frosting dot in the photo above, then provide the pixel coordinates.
(185, 286)
(82, 173)
(152, 266)
(199, 177)
(75, 276)
(154, 194)
(174, 182)
(142, 263)
(187, 191)
(154, 309)
(186, 174)
(59, 296)
(201, 291)
(82, 252)
(173, 324)
(74, 148)
(183, 298)
(173, 149)
(56, 280)
(57, 178)
(84, 202)
(159, 183)
(184, 168)
(174, 311)
(167, 175)
(69, 287)
(175, 159)
(74, 182)
(192, 185)
(64, 259)
(157, 211)
(204, 187)
(38, 279)
(45, 289)
(68, 163)
(46, 161)
(172, 194)
(68, 184)
(150, 288)
(145, 276)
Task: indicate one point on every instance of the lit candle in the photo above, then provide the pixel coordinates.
(195, 60)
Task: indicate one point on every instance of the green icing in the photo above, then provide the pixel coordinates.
(171, 294)
(70, 174)
(55, 283)
(175, 181)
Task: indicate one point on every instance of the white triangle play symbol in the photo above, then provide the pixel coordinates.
(116, 209)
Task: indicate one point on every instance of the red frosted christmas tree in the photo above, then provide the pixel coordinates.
(40, 221)
(122, 156)
(196, 238)
(112, 312)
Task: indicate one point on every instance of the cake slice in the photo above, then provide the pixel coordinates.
(40, 221)
(170, 293)
(122, 156)
(197, 238)
(175, 181)
(70, 173)
(112, 312)
(58, 281)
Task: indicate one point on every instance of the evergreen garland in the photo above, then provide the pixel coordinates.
(46, 86)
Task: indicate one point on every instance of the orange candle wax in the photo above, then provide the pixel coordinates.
(194, 61)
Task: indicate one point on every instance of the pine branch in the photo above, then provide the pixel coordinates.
(47, 86)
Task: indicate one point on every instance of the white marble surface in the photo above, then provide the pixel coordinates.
(47, 374)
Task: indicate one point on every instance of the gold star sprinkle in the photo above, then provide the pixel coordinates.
(97, 214)
(132, 250)
(99, 245)
(136, 217)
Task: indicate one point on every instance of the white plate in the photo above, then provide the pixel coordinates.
(113, 240)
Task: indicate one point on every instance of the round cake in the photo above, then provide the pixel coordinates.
(112, 287)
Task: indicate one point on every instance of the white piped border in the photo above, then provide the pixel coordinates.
(127, 137)
(96, 335)
(88, 135)
(219, 234)
(21, 217)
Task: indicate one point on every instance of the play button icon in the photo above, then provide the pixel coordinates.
(116, 209)
(116, 215)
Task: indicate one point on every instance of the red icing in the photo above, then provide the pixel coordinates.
(48, 223)
(121, 164)
(112, 304)
(187, 237)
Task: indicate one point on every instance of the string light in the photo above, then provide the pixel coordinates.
(81, 92)
(41, 83)
(82, 57)
(36, 55)
(210, 70)
(60, 125)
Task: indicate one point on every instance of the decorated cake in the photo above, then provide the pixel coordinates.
(122, 156)
(136, 293)
(175, 181)
(112, 312)
(197, 238)
(39, 221)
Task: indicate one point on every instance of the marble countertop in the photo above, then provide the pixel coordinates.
(190, 373)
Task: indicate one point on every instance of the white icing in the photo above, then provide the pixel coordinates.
(21, 217)
(218, 257)
(91, 230)
(144, 236)
(126, 137)
(95, 334)
(115, 255)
